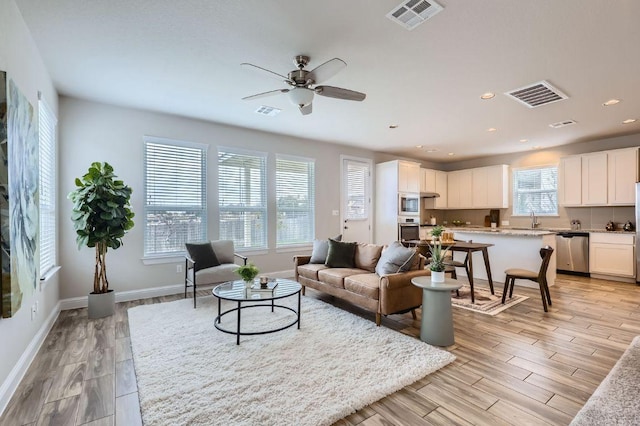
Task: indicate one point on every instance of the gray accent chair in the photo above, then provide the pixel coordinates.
(226, 271)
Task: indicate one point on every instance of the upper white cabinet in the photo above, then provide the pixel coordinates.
(408, 176)
(570, 181)
(490, 187)
(623, 175)
(594, 179)
(434, 181)
(599, 178)
(459, 189)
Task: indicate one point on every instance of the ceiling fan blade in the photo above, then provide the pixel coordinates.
(265, 94)
(307, 109)
(327, 70)
(270, 73)
(340, 93)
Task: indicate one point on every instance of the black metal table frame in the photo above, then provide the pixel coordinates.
(239, 309)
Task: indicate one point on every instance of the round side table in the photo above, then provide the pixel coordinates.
(436, 327)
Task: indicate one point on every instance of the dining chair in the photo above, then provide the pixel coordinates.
(524, 274)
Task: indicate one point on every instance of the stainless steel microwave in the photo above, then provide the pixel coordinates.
(409, 204)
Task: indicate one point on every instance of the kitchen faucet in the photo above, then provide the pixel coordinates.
(534, 220)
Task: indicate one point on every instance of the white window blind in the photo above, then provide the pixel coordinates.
(175, 210)
(47, 191)
(356, 184)
(295, 200)
(242, 197)
(535, 190)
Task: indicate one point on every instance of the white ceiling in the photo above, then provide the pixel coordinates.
(183, 57)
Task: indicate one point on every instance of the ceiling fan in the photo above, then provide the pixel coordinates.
(303, 83)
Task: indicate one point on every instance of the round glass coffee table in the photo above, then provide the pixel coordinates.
(235, 291)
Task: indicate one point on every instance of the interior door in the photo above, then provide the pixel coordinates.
(355, 196)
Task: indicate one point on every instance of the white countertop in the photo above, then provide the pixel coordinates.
(526, 231)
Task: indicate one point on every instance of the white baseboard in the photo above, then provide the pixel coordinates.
(146, 293)
(18, 371)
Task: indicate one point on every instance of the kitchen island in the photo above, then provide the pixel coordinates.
(512, 248)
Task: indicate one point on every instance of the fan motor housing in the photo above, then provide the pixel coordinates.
(299, 77)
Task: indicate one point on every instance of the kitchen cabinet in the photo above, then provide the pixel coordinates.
(594, 179)
(434, 181)
(622, 176)
(459, 189)
(408, 177)
(605, 178)
(612, 254)
(490, 187)
(570, 181)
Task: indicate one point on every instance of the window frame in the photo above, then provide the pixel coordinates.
(263, 158)
(514, 172)
(311, 194)
(203, 209)
(47, 180)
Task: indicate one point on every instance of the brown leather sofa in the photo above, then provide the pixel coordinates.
(384, 295)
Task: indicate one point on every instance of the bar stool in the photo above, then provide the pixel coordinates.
(524, 274)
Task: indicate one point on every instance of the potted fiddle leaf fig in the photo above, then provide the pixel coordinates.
(101, 216)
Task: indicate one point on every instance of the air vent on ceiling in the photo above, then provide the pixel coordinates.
(537, 94)
(412, 13)
(267, 110)
(562, 124)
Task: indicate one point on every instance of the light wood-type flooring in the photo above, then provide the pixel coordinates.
(521, 367)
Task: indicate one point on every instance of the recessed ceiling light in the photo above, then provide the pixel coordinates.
(487, 95)
(524, 140)
(419, 146)
(536, 147)
(611, 102)
(491, 129)
(393, 126)
(432, 150)
(630, 120)
(451, 154)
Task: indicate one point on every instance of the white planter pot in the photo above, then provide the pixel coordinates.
(102, 304)
(437, 277)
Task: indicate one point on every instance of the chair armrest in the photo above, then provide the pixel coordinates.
(189, 261)
(244, 258)
(401, 279)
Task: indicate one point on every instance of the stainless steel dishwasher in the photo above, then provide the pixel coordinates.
(572, 252)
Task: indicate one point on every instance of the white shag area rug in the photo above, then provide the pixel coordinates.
(189, 373)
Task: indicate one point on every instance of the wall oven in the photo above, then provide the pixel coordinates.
(409, 204)
(408, 231)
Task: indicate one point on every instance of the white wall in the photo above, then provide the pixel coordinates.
(21, 60)
(91, 132)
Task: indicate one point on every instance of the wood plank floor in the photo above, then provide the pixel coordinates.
(523, 366)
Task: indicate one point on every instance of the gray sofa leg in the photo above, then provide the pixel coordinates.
(304, 290)
(378, 319)
(413, 314)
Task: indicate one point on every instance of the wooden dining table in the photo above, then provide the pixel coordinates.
(465, 247)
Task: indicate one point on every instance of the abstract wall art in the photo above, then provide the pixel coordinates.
(19, 213)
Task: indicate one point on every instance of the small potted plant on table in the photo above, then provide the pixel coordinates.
(248, 272)
(437, 265)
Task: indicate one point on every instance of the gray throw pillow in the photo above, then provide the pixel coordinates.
(203, 255)
(396, 258)
(341, 255)
(321, 249)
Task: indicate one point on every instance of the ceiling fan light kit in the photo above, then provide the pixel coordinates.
(302, 83)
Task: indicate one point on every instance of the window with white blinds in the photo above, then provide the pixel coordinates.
(175, 184)
(47, 191)
(535, 190)
(295, 200)
(242, 197)
(356, 184)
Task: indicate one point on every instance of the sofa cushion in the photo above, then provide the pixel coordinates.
(335, 276)
(367, 256)
(341, 254)
(216, 274)
(310, 270)
(367, 285)
(224, 250)
(202, 254)
(320, 250)
(396, 258)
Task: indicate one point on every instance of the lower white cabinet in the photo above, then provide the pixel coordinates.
(612, 254)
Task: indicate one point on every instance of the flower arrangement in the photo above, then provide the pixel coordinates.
(437, 256)
(248, 272)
